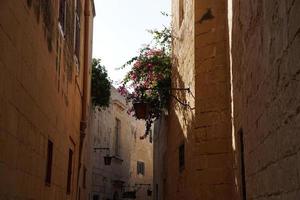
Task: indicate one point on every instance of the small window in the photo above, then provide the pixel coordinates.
(242, 163)
(140, 168)
(181, 158)
(62, 14)
(181, 12)
(49, 163)
(84, 178)
(69, 178)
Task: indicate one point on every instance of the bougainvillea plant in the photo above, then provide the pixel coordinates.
(149, 80)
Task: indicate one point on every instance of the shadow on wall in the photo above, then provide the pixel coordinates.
(179, 140)
(184, 96)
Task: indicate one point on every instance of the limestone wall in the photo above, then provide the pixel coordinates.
(213, 138)
(141, 151)
(266, 68)
(131, 148)
(201, 63)
(40, 99)
(159, 158)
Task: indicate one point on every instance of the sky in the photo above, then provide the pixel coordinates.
(120, 30)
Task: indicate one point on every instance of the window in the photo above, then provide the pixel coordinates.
(77, 29)
(84, 177)
(62, 14)
(117, 137)
(181, 12)
(242, 163)
(49, 163)
(69, 178)
(181, 158)
(140, 168)
(156, 192)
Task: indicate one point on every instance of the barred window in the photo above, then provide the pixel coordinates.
(69, 175)
(140, 168)
(49, 163)
(84, 177)
(181, 157)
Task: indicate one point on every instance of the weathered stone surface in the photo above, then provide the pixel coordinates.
(266, 100)
(37, 101)
(131, 148)
(201, 53)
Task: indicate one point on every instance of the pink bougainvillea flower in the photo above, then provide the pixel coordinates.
(150, 66)
(153, 52)
(133, 76)
(150, 77)
(122, 90)
(137, 64)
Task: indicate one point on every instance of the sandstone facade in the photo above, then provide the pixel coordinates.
(113, 128)
(44, 77)
(199, 155)
(160, 146)
(266, 68)
(240, 134)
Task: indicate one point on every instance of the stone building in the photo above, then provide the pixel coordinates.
(238, 138)
(45, 64)
(159, 158)
(116, 134)
(265, 50)
(198, 155)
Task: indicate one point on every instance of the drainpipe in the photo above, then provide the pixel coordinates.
(86, 63)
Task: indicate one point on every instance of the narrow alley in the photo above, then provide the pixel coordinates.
(150, 100)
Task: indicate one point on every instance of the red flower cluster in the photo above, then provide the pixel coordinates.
(123, 91)
(149, 80)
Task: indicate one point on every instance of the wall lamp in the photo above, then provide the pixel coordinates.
(149, 191)
(107, 158)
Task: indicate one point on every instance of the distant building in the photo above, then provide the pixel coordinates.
(45, 64)
(116, 134)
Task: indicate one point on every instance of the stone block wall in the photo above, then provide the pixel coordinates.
(102, 134)
(213, 139)
(266, 74)
(40, 100)
(159, 157)
(176, 183)
(201, 63)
